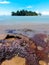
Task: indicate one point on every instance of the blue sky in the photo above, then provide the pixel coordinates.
(7, 6)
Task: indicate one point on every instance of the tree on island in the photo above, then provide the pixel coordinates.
(24, 13)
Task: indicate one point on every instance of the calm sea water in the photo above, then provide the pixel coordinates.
(10, 20)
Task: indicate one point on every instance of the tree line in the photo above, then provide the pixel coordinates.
(24, 13)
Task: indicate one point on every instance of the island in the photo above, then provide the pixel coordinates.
(24, 13)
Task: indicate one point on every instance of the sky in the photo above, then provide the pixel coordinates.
(39, 6)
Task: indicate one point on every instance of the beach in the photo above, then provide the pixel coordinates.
(38, 27)
(34, 35)
(24, 32)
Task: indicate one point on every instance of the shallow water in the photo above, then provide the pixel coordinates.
(10, 20)
(15, 20)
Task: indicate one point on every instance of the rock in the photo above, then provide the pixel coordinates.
(35, 50)
(48, 55)
(40, 39)
(41, 55)
(40, 48)
(48, 63)
(2, 36)
(41, 62)
(15, 61)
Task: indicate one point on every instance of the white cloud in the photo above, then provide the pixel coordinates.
(4, 2)
(5, 13)
(37, 11)
(29, 6)
(45, 13)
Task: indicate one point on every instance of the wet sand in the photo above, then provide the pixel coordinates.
(34, 28)
(37, 28)
(26, 26)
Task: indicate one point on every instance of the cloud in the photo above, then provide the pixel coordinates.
(4, 2)
(5, 13)
(45, 13)
(37, 11)
(29, 6)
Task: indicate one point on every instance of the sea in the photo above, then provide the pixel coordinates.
(10, 20)
(14, 20)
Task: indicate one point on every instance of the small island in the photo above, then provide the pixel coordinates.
(24, 13)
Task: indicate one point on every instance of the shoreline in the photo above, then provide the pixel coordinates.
(21, 28)
(25, 26)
